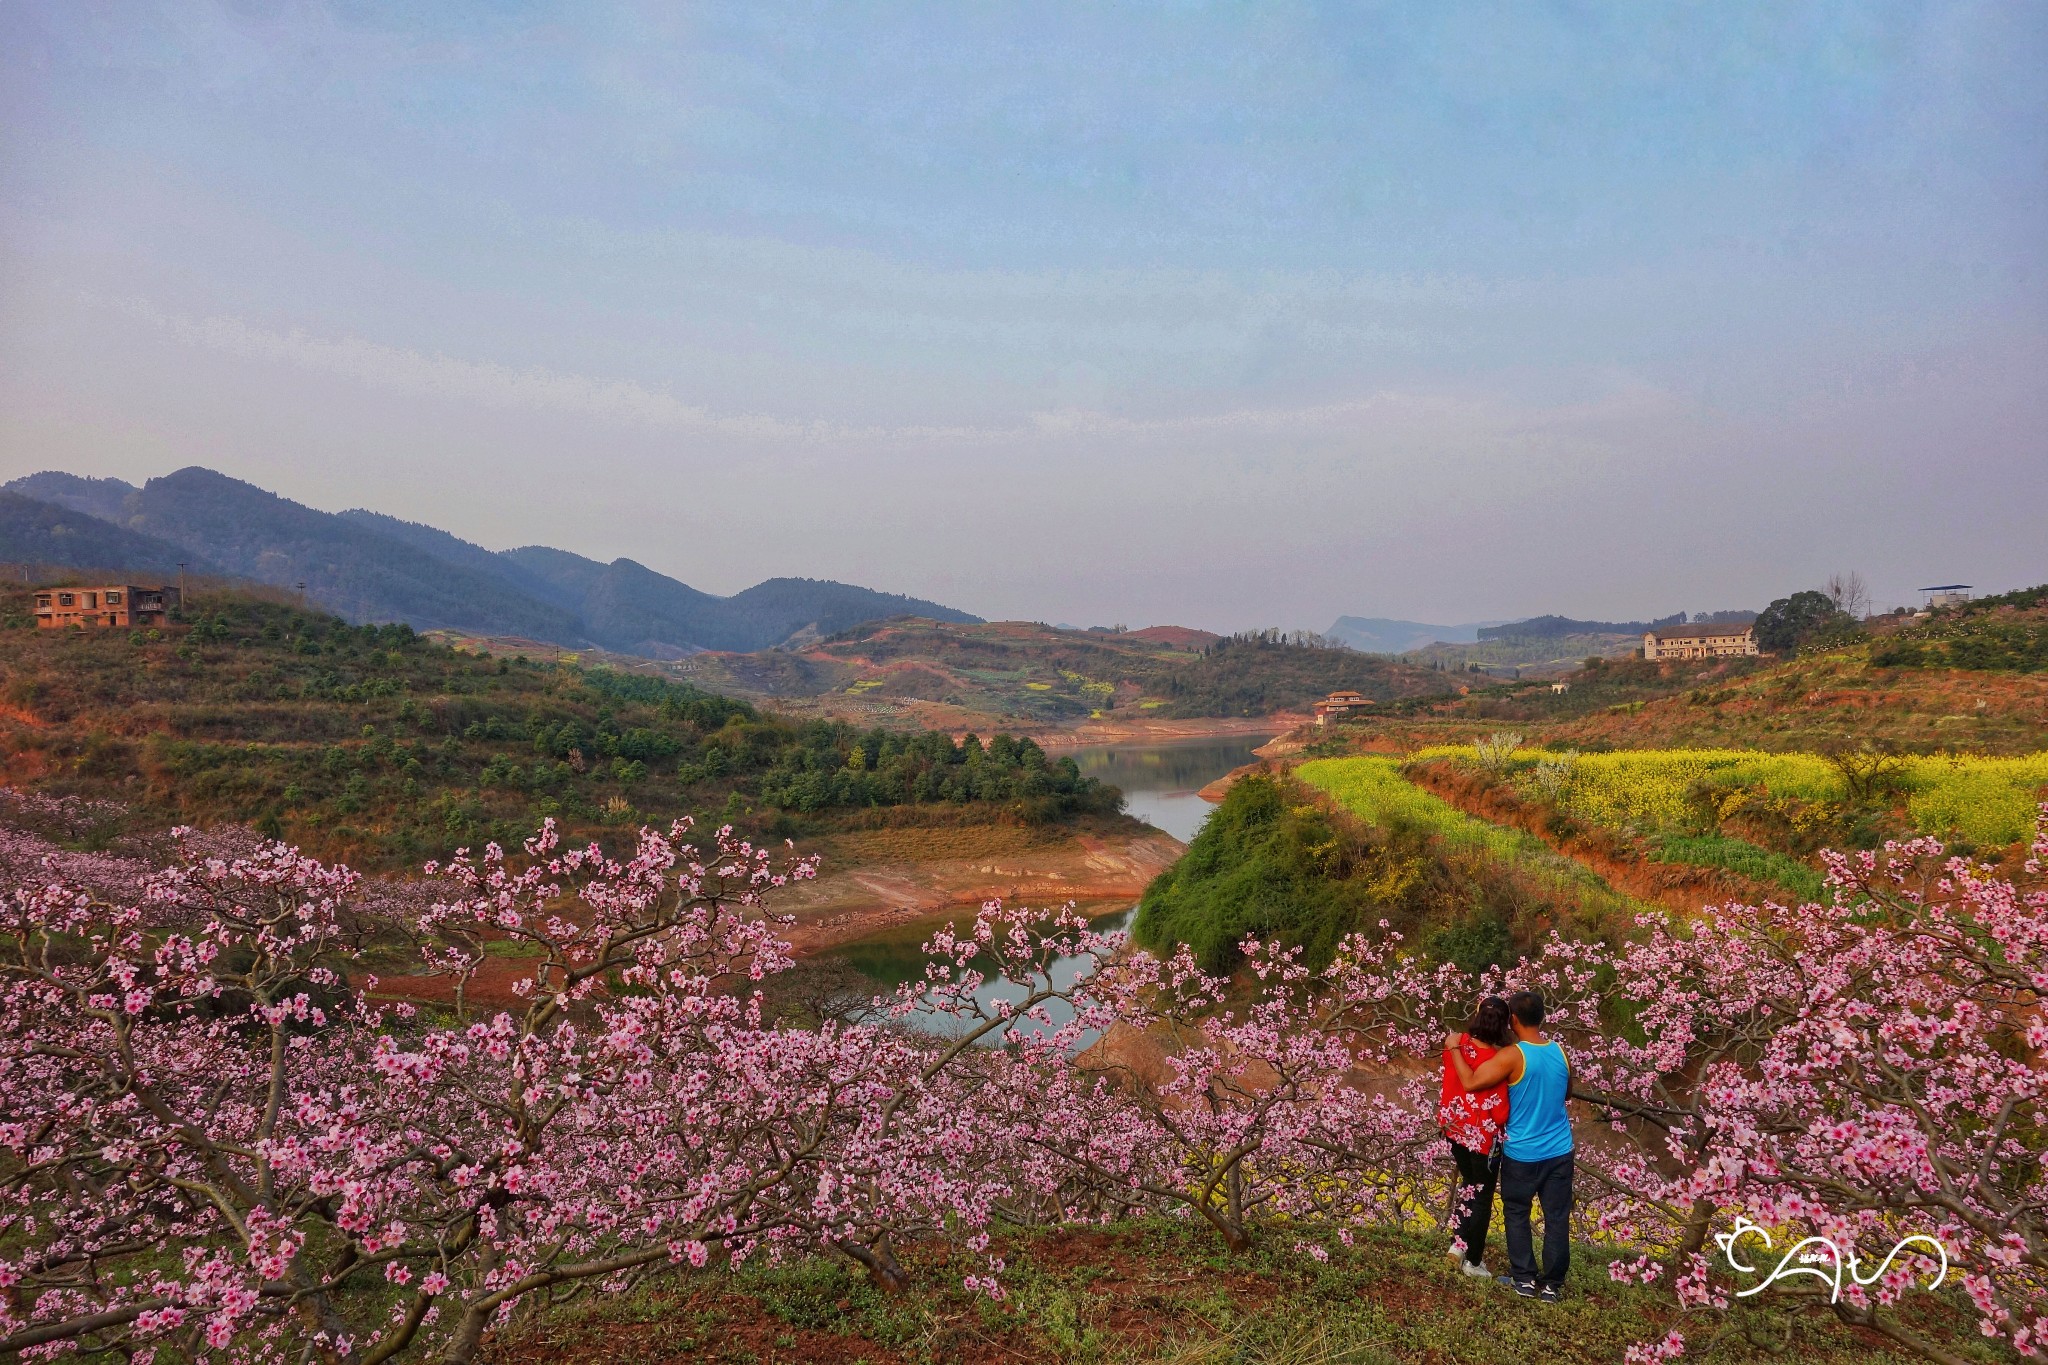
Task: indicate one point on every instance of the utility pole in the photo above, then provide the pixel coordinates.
(302, 596)
(181, 585)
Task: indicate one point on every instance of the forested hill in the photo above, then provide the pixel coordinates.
(49, 536)
(374, 744)
(370, 567)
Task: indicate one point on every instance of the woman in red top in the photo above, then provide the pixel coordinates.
(1473, 1122)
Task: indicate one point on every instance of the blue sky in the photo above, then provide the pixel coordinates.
(1223, 314)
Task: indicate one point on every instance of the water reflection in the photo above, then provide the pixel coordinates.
(890, 960)
(1159, 781)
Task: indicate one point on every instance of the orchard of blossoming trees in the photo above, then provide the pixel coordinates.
(218, 1141)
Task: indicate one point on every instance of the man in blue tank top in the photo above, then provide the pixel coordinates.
(1536, 1157)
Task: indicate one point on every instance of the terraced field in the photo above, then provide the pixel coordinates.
(1750, 822)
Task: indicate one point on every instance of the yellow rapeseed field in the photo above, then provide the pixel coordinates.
(1984, 800)
(1373, 789)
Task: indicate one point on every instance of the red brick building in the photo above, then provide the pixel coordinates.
(113, 604)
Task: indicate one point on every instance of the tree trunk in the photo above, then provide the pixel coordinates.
(316, 1312)
(469, 1335)
(1697, 1222)
(883, 1271)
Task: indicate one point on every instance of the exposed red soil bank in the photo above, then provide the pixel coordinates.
(860, 901)
(1127, 729)
(1620, 860)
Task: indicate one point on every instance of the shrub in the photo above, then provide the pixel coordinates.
(1267, 864)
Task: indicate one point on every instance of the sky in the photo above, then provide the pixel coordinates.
(1225, 315)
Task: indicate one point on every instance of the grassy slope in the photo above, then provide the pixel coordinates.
(1344, 844)
(1816, 703)
(1834, 701)
(1160, 1292)
(1270, 864)
(1373, 790)
(1792, 877)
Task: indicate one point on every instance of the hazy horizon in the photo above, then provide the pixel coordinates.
(1223, 318)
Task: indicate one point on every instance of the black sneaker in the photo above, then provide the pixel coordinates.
(1525, 1288)
(1551, 1293)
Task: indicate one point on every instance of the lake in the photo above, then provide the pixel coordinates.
(1159, 783)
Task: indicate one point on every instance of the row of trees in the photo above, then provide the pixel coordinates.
(882, 768)
(215, 1138)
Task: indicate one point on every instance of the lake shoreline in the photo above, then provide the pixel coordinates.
(1108, 733)
(1163, 779)
(854, 904)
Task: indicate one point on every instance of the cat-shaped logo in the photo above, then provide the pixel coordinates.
(1813, 1251)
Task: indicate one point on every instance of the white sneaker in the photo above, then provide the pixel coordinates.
(1477, 1272)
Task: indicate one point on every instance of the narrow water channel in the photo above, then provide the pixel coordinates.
(1159, 782)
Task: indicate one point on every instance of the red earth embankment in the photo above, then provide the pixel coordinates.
(1622, 861)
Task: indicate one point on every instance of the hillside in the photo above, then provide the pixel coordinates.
(1971, 678)
(1534, 655)
(629, 606)
(1545, 646)
(370, 567)
(374, 744)
(1379, 635)
(959, 675)
(43, 535)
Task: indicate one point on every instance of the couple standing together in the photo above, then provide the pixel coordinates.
(1503, 1111)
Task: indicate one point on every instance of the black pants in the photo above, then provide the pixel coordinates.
(1548, 1182)
(1476, 1172)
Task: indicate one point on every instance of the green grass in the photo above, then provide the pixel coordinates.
(1740, 856)
(1159, 1293)
(1373, 789)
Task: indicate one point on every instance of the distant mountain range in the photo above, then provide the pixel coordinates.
(370, 567)
(1555, 627)
(50, 534)
(1377, 635)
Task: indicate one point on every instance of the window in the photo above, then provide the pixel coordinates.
(65, 599)
(42, 599)
(113, 599)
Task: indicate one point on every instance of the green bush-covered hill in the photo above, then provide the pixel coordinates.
(372, 743)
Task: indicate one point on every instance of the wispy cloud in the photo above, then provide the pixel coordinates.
(403, 370)
(628, 404)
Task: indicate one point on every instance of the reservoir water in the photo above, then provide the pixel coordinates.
(1159, 783)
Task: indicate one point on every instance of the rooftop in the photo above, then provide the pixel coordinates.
(1701, 631)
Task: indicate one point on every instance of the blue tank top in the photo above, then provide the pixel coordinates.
(1538, 1127)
